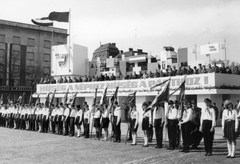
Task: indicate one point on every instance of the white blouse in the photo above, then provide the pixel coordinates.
(229, 116)
(208, 114)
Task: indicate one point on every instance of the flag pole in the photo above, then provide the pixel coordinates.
(69, 39)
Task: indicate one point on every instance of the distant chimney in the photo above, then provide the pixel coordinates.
(130, 49)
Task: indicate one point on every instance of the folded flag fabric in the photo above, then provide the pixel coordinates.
(59, 16)
(42, 22)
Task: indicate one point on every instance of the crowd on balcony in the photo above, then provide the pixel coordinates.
(170, 71)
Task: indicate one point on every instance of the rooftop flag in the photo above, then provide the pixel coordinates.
(42, 22)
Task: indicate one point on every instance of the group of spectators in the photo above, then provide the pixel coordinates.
(170, 71)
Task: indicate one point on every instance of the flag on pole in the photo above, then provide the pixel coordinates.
(23, 98)
(1, 99)
(65, 98)
(104, 96)
(8, 98)
(95, 96)
(114, 96)
(57, 16)
(42, 22)
(71, 100)
(130, 98)
(160, 84)
(30, 99)
(162, 96)
(182, 92)
(47, 100)
(38, 99)
(52, 97)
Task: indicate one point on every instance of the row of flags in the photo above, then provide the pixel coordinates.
(53, 16)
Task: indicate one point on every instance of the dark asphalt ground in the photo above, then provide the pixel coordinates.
(17, 146)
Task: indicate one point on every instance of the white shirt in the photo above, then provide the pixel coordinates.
(158, 113)
(208, 115)
(87, 115)
(66, 112)
(134, 115)
(54, 112)
(45, 111)
(229, 115)
(97, 114)
(73, 113)
(172, 113)
(105, 114)
(187, 115)
(60, 111)
(148, 114)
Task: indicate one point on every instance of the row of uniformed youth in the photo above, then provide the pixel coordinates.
(193, 122)
(62, 119)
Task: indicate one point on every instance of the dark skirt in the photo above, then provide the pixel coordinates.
(229, 130)
(59, 118)
(145, 123)
(39, 118)
(132, 125)
(26, 117)
(77, 121)
(97, 123)
(105, 122)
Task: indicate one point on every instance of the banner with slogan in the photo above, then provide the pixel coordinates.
(139, 85)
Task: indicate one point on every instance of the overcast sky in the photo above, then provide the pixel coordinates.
(143, 24)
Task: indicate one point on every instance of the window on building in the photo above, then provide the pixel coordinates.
(30, 56)
(2, 56)
(15, 68)
(30, 69)
(46, 71)
(1, 68)
(15, 82)
(31, 42)
(2, 38)
(46, 57)
(16, 57)
(47, 44)
(16, 40)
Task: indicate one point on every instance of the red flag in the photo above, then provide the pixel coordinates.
(47, 100)
(65, 98)
(95, 96)
(59, 16)
(52, 97)
(1, 100)
(38, 99)
(160, 84)
(114, 97)
(182, 92)
(42, 22)
(104, 96)
(30, 99)
(130, 98)
(162, 96)
(71, 100)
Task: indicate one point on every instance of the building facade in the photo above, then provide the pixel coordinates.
(25, 56)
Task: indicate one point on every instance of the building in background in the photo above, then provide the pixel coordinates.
(25, 55)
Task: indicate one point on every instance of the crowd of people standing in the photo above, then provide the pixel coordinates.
(181, 119)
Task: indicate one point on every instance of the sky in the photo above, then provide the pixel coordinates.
(140, 24)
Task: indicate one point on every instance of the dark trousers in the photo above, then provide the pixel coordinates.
(22, 124)
(86, 128)
(150, 133)
(32, 124)
(158, 131)
(186, 130)
(196, 135)
(1, 119)
(172, 132)
(207, 135)
(45, 123)
(130, 130)
(117, 129)
(60, 125)
(66, 125)
(71, 124)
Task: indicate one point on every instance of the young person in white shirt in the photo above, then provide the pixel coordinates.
(78, 120)
(117, 114)
(146, 123)
(97, 117)
(134, 123)
(72, 120)
(172, 123)
(66, 120)
(186, 125)
(54, 116)
(60, 118)
(230, 128)
(105, 121)
(27, 115)
(158, 122)
(86, 121)
(45, 120)
(207, 124)
(22, 117)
